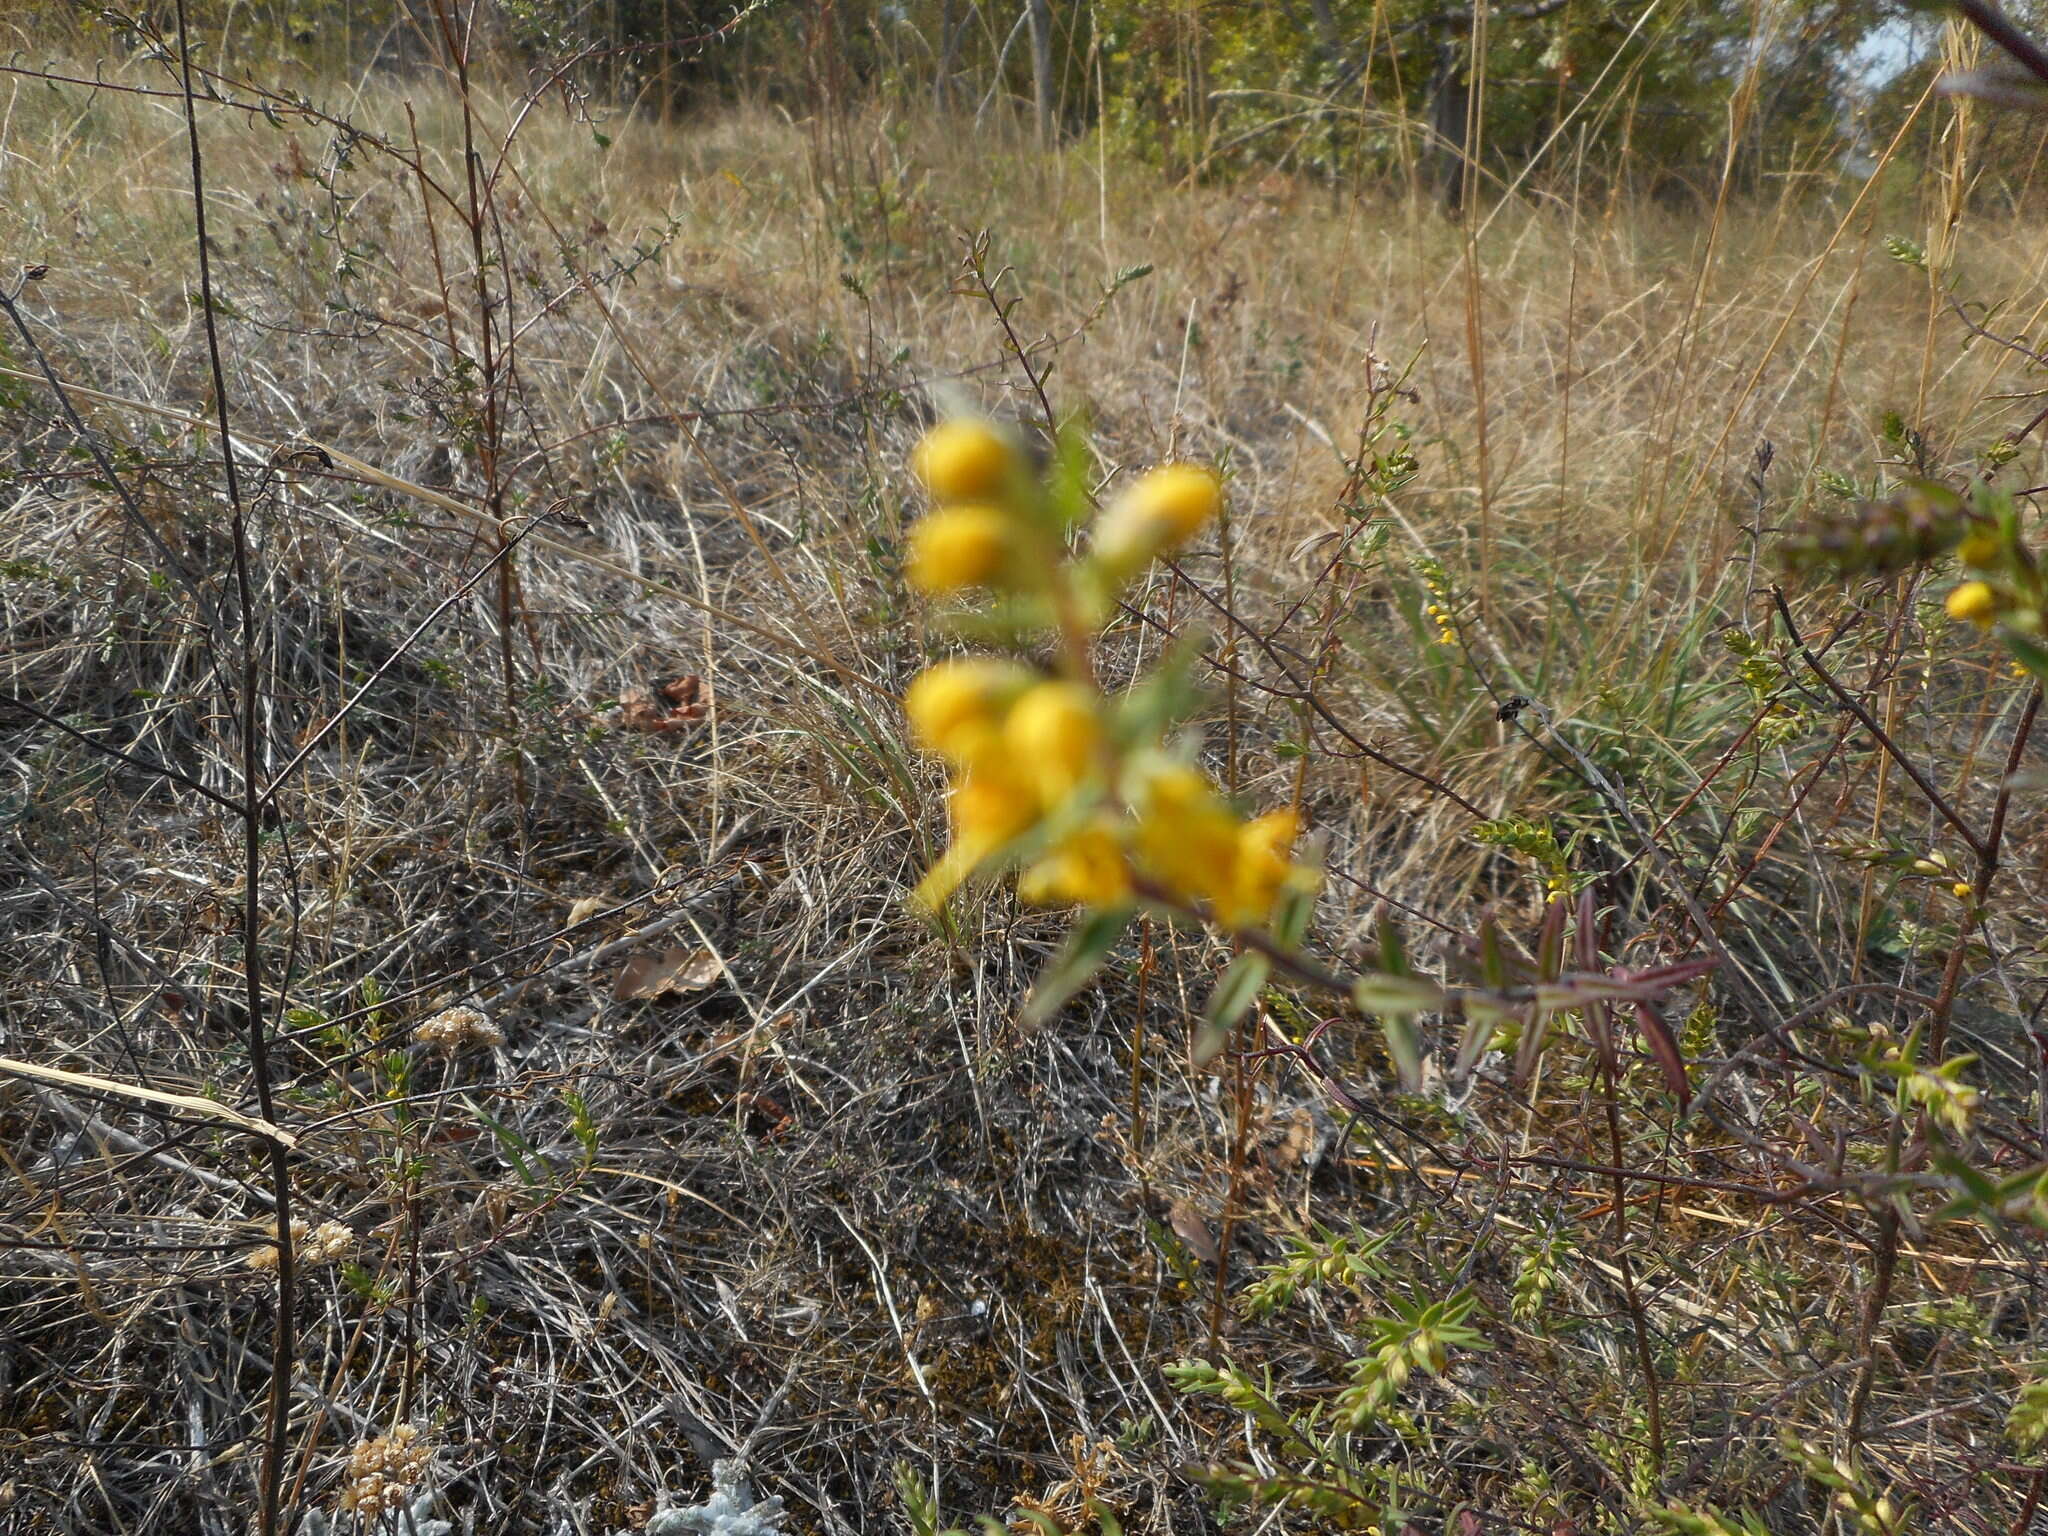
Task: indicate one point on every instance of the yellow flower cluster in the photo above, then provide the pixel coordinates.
(1194, 846)
(990, 529)
(1041, 765)
(1438, 609)
(973, 539)
(2005, 588)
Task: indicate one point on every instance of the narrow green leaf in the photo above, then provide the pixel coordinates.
(1393, 958)
(1234, 994)
(1378, 992)
(1479, 1030)
(1076, 964)
(1493, 965)
(1290, 918)
(1402, 1046)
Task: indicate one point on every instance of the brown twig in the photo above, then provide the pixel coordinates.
(284, 1341)
(1892, 749)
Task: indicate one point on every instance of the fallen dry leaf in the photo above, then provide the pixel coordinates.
(1190, 1228)
(679, 970)
(675, 704)
(1299, 1143)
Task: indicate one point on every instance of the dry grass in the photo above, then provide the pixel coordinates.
(825, 1203)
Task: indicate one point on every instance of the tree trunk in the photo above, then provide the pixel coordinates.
(1450, 104)
(1040, 12)
(1326, 27)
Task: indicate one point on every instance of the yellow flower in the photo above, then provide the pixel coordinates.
(1086, 868)
(956, 708)
(1159, 513)
(1262, 867)
(1973, 601)
(1186, 837)
(1054, 735)
(965, 459)
(989, 805)
(960, 547)
(1980, 550)
(1961, 890)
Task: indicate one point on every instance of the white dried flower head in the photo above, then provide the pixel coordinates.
(328, 1242)
(310, 1245)
(453, 1028)
(382, 1472)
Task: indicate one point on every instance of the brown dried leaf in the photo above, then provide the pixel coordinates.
(1190, 1228)
(675, 704)
(679, 970)
(639, 712)
(685, 693)
(1299, 1143)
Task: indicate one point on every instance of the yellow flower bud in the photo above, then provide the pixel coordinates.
(956, 708)
(1262, 867)
(989, 805)
(1980, 550)
(1961, 890)
(965, 459)
(957, 547)
(1158, 514)
(1186, 836)
(1054, 735)
(1086, 868)
(1973, 601)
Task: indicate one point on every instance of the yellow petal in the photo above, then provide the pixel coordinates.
(1054, 733)
(958, 702)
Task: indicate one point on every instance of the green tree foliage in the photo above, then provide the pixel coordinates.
(1384, 86)
(1365, 89)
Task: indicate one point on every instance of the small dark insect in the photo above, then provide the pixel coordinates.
(1511, 708)
(35, 272)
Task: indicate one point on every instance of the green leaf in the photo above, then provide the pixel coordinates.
(1396, 995)
(1493, 965)
(1290, 917)
(1479, 1031)
(1234, 994)
(1393, 957)
(1978, 1194)
(1402, 1046)
(1166, 697)
(1067, 483)
(1075, 966)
